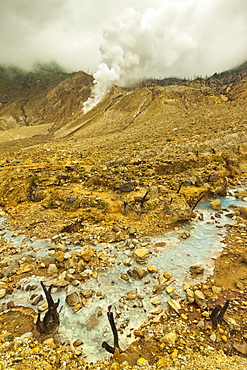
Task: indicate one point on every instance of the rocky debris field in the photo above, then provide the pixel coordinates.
(60, 194)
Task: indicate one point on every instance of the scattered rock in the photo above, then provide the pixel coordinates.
(216, 290)
(196, 270)
(142, 362)
(92, 322)
(213, 176)
(137, 273)
(25, 267)
(170, 338)
(131, 230)
(60, 256)
(43, 307)
(52, 269)
(243, 257)
(170, 289)
(127, 262)
(213, 337)
(87, 253)
(125, 277)
(72, 299)
(241, 193)
(139, 333)
(157, 289)
(78, 306)
(161, 279)
(141, 254)
(50, 342)
(126, 188)
(152, 269)
(3, 293)
(232, 323)
(87, 293)
(37, 299)
(175, 305)
(77, 343)
(240, 347)
(116, 228)
(200, 299)
(130, 296)
(190, 295)
(155, 303)
(167, 274)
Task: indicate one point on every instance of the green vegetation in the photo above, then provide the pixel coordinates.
(172, 183)
(16, 83)
(50, 204)
(33, 180)
(48, 68)
(198, 181)
(217, 159)
(77, 204)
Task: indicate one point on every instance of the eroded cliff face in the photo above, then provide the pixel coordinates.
(57, 104)
(121, 109)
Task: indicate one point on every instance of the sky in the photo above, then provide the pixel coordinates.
(127, 40)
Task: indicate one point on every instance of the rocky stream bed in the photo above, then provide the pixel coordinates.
(162, 288)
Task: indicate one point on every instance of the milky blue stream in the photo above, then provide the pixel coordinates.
(201, 248)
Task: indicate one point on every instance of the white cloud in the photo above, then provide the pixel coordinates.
(155, 38)
(68, 31)
(177, 38)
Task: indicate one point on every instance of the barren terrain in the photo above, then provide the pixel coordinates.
(61, 173)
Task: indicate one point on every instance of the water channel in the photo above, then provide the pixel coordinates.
(169, 252)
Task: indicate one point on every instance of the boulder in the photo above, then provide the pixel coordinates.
(200, 299)
(157, 289)
(216, 204)
(43, 307)
(72, 299)
(60, 256)
(170, 338)
(196, 270)
(243, 212)
(3, 292)
(141, 254)
(37, 299)
(131, 230)
(240, 347)
(175, 305)
(137, 273)
(52, 269)
(190, 295)
(170, 289)
(167, 274)
(87, 253)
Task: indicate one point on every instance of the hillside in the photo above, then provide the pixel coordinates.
(56, 111)
(16, 83)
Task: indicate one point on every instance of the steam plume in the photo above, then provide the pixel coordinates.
(182, 37)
